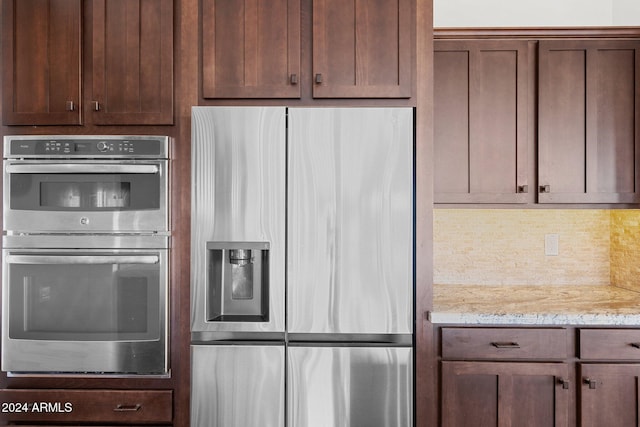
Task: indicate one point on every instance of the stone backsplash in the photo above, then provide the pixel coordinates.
(507, 247)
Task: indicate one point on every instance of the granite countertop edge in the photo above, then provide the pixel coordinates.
(599, 305)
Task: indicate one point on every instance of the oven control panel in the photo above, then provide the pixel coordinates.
(102, 147)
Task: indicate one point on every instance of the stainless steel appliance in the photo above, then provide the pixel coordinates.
(323, 197)
(85, 279)
(85, 184)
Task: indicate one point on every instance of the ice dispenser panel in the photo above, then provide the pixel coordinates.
(238, 282)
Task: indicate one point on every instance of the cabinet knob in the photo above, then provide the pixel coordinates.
(96, 106)
(318, 78)
(591, 383)
(523, 188)
(293, 79)
(564, 383)
(545, 189)
(635, 345)
(70, 106)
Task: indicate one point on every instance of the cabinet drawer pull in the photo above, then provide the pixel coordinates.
(318, 78)
(70, 106)
(505, 344)
(293, 79)
(592, 383)
(635, 345)
(127, 408)
(96, 106)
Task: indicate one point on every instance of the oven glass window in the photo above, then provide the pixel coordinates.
(84, 302)
(86, 195)
(85, 192)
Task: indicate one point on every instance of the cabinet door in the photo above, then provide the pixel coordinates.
(609, 395)
(481, 109)
(362, 48)
(132, 62)
(41, 62)
(589, 111)
(251, 48)
(504, 394)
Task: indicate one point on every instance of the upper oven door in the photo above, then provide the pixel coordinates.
(85, 196)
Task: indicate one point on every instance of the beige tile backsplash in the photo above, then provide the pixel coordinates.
(625, 249)
(507, 247)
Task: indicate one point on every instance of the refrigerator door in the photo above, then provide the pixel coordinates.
(349, 387)
(238, 205)
(350, 221)
(237, 386)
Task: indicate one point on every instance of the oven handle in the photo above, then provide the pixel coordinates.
(83, 259)
(82, 168)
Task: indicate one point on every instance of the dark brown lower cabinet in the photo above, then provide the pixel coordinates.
(609, 395)
(84, 407)
(505, 394)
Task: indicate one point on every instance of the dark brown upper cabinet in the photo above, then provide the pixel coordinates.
(481, 109)
(362, 49)
(589, 121)
(251, 49)
(41, 59)
(132, 62)
(131, 78)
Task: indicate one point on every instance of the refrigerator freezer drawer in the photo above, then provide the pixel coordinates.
(350, 386)
(237, 386)
(350, 221)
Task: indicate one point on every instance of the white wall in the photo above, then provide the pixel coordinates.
(535, 13)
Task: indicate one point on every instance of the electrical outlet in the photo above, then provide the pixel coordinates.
(551, 247)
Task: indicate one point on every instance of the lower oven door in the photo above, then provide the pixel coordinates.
(85, 311)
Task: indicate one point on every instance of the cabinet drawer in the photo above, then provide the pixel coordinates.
(610, 344)
(87, 406)
(503, 343)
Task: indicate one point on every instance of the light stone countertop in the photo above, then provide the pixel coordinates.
(535, 305)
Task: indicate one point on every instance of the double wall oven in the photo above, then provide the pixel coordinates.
(85, 255)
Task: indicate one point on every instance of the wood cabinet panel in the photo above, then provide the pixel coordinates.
(504, 394)
(41, 62)
(588, 112)
(609, 344)
(89, 406)
(609, 395)
(362, 48)
(504, 343)
(251, 49)
(132, 62)
(481, 112)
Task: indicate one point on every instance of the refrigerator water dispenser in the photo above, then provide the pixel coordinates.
(238, 282)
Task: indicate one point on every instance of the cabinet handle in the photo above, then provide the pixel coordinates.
(635, 345)
(127, 408)
(523, 188)
(70, 106)
(592, 383)
(293, 79)
(96, 106)
(505, 344)
(564, 383)
(545, 189)
(318, 78)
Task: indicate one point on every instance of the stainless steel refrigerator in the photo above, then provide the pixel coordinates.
(302, 267)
